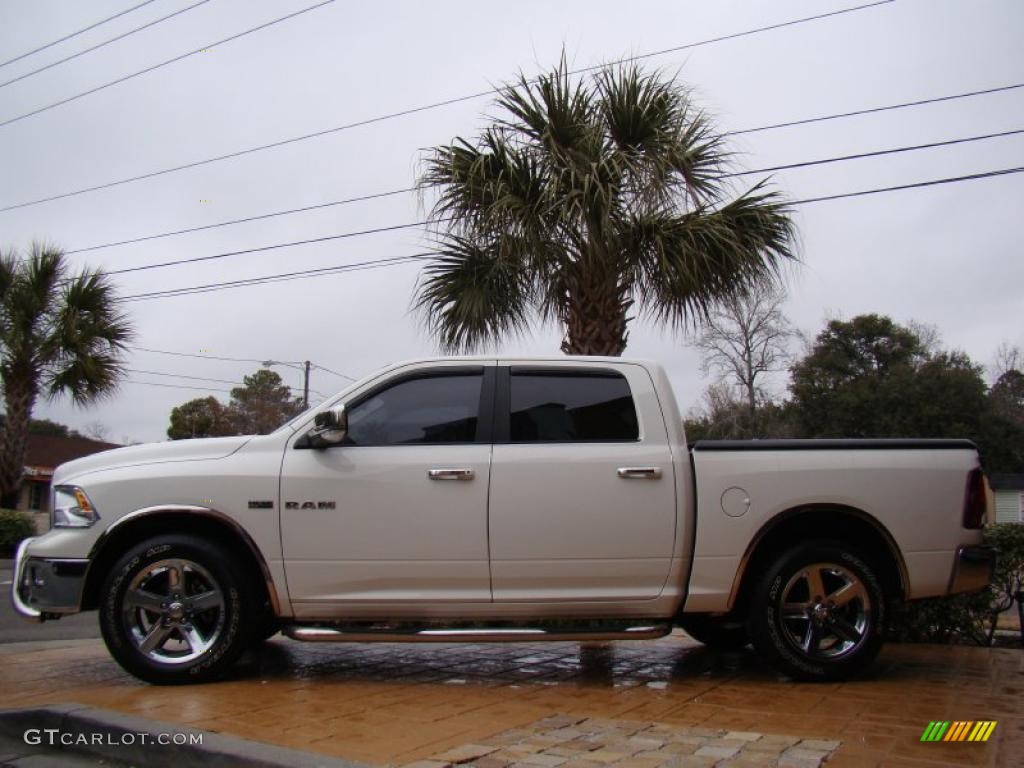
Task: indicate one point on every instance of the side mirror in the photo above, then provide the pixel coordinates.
(330, 428)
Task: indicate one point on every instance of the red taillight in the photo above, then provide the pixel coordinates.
(974, 501)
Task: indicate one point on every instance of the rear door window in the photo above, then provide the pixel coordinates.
(567, 407)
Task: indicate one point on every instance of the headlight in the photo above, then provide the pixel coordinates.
(72, 508)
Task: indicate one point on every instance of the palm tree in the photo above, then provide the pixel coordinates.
(59, 335)
(582, 202)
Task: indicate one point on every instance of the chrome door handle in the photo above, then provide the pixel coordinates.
(639, 473)
(450, 474)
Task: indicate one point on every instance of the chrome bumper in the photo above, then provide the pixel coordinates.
(45, 588)
(972, 570)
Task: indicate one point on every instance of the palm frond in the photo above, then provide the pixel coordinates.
(473, 294)
(685, 265)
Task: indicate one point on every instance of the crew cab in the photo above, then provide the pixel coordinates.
(486, 499)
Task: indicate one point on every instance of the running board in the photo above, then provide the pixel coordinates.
(420, 634)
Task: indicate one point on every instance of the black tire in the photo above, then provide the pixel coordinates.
(725, 633)
(824, 627)
(175, 609)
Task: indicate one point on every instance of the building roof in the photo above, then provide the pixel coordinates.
(1007, 482)
(44, 453)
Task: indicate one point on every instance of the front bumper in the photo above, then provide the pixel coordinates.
(972, 570)
(46, 588)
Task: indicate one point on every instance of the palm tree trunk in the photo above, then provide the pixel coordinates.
(18, 401)
(596, 322)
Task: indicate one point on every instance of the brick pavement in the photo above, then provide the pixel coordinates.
(400, 704)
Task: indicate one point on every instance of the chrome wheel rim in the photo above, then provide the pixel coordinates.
(174, 611)
(826, 611)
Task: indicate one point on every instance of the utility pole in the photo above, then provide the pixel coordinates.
(305, 387)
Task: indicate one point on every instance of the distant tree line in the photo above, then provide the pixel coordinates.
(871, 377)
(260, 405)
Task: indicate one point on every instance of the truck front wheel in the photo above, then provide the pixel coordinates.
(819, 612)
(175, 610)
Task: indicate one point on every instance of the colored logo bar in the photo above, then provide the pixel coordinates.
(959, 730)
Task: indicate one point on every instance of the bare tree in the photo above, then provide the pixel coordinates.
(746, 337)
(1008, 358)
(96, 430)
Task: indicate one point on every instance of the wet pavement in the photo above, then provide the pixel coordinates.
(560, 705)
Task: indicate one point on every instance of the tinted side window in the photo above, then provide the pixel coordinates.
(432, 409)
(559, 408)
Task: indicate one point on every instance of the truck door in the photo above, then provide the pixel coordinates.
(582, 501)
(398, 512)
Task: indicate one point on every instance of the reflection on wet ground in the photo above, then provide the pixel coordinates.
(397, 703)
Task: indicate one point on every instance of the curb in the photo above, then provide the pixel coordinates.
(122, 738)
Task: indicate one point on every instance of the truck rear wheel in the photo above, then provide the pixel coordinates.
(175, 610)
(819, 612)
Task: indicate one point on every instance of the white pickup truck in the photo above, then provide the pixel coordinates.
(484, 499)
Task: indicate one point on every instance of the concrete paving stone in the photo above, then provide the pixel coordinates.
(558, 721)
(704, 732)
(779, 739)
(605, 757)
(747, 760)
(715, 751)
(794, 757)
(624, 746)
(688, 739)
(819, 745)
(764, 750)
(639, 762)
(692, 761)
(489, 761)
(544, 760)
(427, 764)
(583, 743)
(645, 743)
(560, 750)
(464, 753)
(581, 764)
(743, 735)
(568, 734)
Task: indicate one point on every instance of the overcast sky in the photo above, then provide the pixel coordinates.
(947, 255)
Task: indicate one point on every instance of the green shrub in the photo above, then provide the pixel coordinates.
(968, 618)
(14, 526)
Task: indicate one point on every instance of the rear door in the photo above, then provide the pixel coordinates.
(582, 500)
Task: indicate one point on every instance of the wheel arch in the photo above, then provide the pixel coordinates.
(829, 521)
(151, 521)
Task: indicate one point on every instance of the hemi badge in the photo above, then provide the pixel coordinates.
(261, 505)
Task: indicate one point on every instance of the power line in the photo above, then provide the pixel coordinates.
(199, 356)
(175, 386)
(915, 185)
(391, 228)
(236, 384)
(873, 110)
(303, 209)
(275, 246)
(334, 373)
(101, 45)
(182, 376)
(877, 153)
(426, 107)
(231, 360)
(394, 261)
(282, 277)
(74, 34)
(163, 64)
